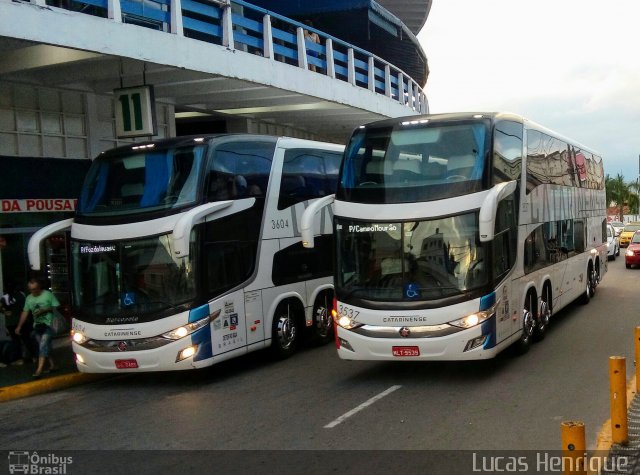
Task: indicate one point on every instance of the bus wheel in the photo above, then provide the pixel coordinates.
(322, 329)
(544, 314)
(528, 324)
(285, 333)
(588, 286)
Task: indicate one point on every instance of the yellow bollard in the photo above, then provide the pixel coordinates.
(618, 395)
(637, 336)
(574, 447)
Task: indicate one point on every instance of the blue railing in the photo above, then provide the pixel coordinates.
(242, 26)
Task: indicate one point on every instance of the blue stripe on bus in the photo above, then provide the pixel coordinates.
(487, 301)
(489, 328)
(202, 338)
(198, 313)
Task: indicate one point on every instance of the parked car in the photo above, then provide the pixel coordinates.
(632, 256)
(613, 245)
(617, 226)
(627, 233)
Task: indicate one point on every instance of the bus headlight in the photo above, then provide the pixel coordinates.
(78, 337)
(188, 352)
(189, 328)
(473, 319)
(346, 322)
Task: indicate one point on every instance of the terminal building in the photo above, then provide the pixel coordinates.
(78, 77)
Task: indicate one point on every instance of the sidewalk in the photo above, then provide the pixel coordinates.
(631, 452)
(17, 382)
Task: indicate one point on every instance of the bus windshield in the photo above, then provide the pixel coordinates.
(130, 277)
(415, 161)
(418, 260)
(146, 179)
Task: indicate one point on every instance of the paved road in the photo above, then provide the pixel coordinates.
(252, 403)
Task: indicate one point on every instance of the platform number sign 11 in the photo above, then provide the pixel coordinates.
(135, 112)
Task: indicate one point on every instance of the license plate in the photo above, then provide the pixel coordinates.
(126, 364)
(405, 351)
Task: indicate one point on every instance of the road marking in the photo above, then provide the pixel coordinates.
(362, 406)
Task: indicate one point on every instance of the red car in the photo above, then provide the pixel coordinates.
(632, 256)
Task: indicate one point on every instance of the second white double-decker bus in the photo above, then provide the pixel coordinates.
(187, 252)
(458, 235)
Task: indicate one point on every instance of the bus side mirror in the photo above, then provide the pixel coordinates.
(34, 247)
(306, 223)
(489, 208)
(182, 229)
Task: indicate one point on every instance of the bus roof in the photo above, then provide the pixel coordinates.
(184, 140)
(493, 116)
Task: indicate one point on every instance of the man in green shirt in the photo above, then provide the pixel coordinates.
(41, 303)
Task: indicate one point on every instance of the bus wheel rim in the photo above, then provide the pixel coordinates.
(545, 314)
(528, 323)
(323, 321)
(286, 331)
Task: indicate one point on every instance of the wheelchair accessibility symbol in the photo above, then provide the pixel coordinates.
(412, 291)
(128, 299)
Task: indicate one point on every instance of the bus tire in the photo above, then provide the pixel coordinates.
(286, 330)
(587, 293)
(544, 313)
(321, 332)
(528, 323)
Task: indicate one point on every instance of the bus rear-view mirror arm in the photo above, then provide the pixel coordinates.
(182, 229)
(34, 247)
(490, 206)
(306, 223)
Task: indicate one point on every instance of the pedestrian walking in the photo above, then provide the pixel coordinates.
(41, 303)
(11, 304)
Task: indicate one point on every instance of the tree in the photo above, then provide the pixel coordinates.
(622, 194)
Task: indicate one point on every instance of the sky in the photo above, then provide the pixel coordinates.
(570, 65)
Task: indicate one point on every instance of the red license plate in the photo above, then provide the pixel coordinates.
(405, 351)
(126, 364)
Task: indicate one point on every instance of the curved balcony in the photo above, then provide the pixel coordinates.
(210, 56)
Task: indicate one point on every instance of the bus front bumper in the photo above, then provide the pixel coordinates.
(166, 358)
(471, 344)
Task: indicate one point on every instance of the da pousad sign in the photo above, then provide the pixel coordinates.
(38, 205)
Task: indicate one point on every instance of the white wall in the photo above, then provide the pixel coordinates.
(44, 122)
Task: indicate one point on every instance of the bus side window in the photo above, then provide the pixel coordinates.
(240, 170)
(307, 174)
(332, 162)
(507, 158)
(578, 235)
(506, 237)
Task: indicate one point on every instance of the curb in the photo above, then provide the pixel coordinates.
(53, 383)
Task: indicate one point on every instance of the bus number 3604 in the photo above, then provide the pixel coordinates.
(279, 223)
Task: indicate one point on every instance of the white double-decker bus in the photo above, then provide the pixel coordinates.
(187, 252)
(458, 235)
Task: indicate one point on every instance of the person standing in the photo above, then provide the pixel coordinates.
(13, 302)
(313, 37)
(41, 303)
